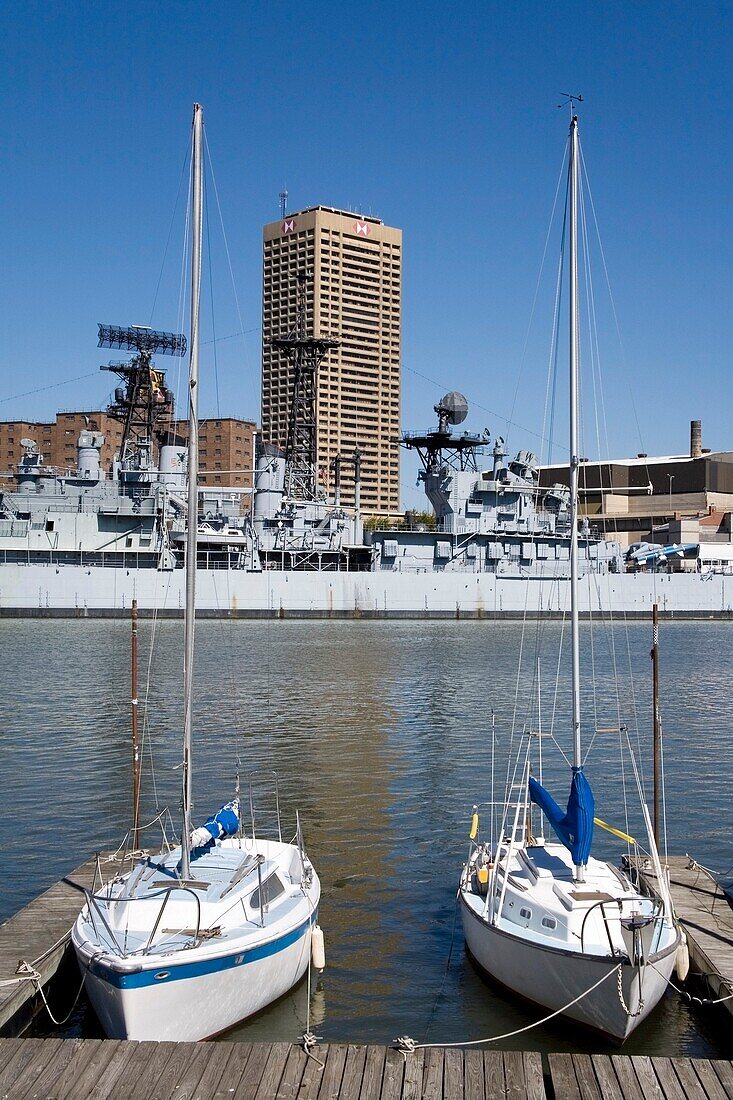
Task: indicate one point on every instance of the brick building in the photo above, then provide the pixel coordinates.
(225, 444)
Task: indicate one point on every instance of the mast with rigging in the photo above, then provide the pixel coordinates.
(193, 469)
(574, 457)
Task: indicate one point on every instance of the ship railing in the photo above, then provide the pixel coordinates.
(94, 905)
(616, 913)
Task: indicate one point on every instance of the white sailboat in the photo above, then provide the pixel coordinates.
(193, 941)
(547, 920)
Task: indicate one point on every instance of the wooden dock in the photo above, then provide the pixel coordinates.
(93, 1069)
(39, 934)
(706, 914)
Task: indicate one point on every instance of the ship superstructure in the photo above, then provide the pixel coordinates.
(81, 542)
(491, 515)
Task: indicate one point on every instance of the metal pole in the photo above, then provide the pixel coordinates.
(657, 726)
(135, 739)
(337, 481)
(574, 459)
(357, 483)
(193, 466)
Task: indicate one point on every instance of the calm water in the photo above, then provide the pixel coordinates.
(381, 735)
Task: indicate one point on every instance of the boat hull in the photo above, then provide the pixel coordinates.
(199, 998)
(552, 977)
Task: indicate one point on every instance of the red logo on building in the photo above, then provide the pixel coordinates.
(288, 226)
(362, 229)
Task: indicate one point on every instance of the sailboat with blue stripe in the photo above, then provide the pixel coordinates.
(199, 937)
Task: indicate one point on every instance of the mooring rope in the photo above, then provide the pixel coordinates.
(407, 1045)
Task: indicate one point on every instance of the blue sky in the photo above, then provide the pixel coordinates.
(440, 119)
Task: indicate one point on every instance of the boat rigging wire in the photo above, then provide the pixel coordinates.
(53, 386)
(523, 357)
(223, 232)
(170, 232)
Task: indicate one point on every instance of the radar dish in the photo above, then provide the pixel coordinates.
(453, 407)
(28, 444)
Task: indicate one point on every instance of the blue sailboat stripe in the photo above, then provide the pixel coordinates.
(175, 972)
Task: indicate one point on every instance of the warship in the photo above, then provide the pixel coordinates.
(81, 542)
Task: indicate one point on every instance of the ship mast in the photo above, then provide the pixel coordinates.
(574, 455)
(193, 469)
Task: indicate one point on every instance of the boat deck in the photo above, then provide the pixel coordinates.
(77, 1069)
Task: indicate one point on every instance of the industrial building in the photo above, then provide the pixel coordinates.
(346, 271)
(668, 499)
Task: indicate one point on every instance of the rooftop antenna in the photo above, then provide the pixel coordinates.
(570, 101)
(283, 203)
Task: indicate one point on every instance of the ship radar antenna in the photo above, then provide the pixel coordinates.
(570, 100)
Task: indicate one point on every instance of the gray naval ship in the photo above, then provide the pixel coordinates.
(80, 542)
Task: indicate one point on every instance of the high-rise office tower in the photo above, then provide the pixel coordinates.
(352, 267)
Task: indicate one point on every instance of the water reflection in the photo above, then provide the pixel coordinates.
(380, 734)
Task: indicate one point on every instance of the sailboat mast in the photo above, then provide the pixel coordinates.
(193, 469)
(574, 456)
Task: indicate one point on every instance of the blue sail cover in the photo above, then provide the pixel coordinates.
(225, 822)
(575, 826)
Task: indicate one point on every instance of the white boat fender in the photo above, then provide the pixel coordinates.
(682, 959)
(318, 947)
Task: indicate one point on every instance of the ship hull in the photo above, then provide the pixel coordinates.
(76, 591)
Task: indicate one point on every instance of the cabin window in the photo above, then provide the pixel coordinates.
(272, 888)
(549, 922)
(526, 913)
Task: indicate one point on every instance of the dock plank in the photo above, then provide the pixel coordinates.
(273, 1071)
(608, 1083)
(432, 1083)
(234, 1069)
(533, 1076)
(650, 1087)
(351, 1082)
(107, 1079)
(252, 1073)
(586, 1077)
(292, 1074)
(24, 1053)
(412, 1082)
(688, 1079)
(209, 1080)
(86, 1067)
(709, 1079)
(394, 1072)
(142, 1070)
(312, 1073)
(77, 1069)
(627, 1079)
(562, 1073)
(176, 1078)
(724, 1072)
(51, 1070)
(494, 1074)
(473, 1075)
(371, 1082)
(333, 1072)
(34, 1067)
